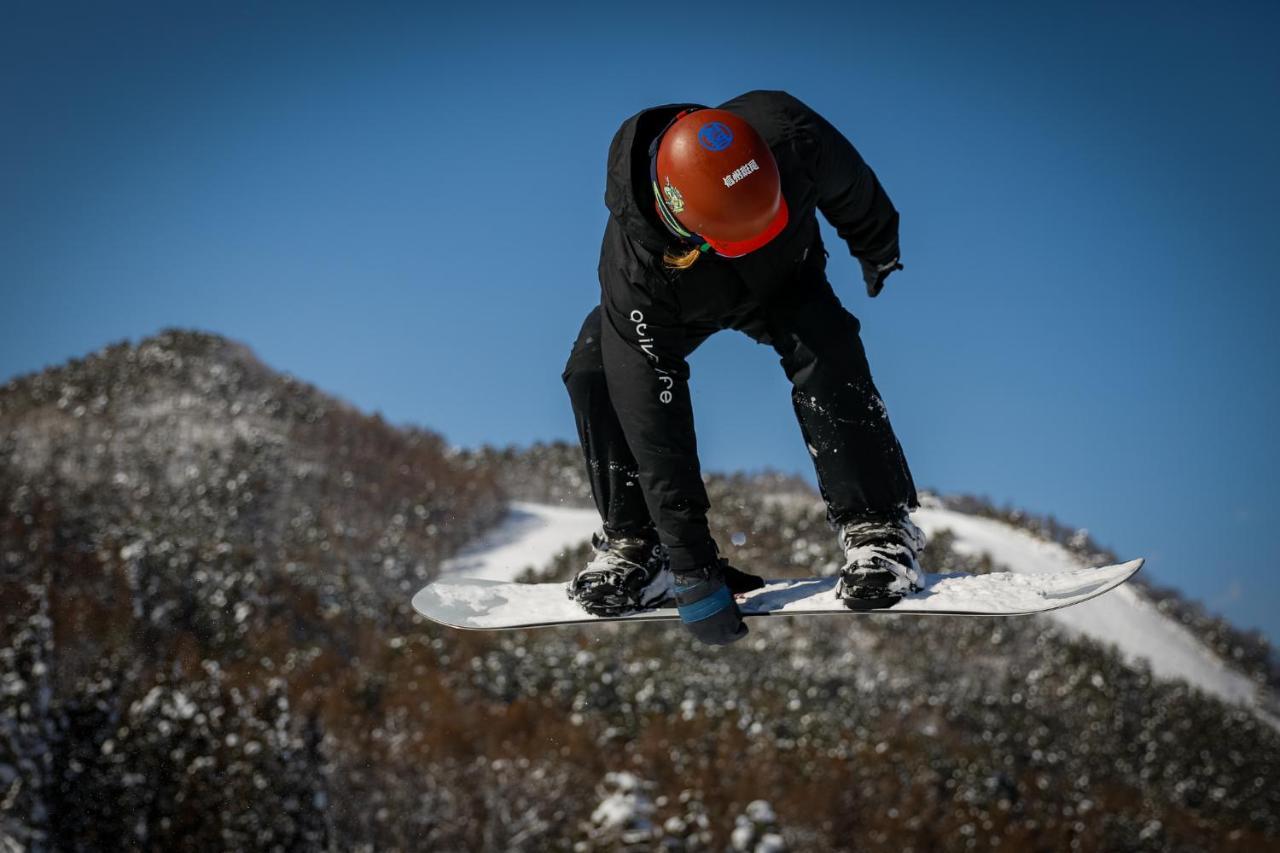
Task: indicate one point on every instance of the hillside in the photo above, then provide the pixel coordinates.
(208, 645)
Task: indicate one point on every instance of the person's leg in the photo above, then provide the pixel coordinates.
(611, 468)
(861, 469)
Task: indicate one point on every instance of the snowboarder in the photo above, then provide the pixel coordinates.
(712, 226)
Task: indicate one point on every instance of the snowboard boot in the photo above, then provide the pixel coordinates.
(880, 561)
(626, 573)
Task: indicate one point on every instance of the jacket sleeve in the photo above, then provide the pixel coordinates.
(644, 349)
(849, 194)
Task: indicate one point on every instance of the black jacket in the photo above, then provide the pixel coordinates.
(654, 317)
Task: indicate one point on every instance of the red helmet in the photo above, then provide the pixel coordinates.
(715, 181)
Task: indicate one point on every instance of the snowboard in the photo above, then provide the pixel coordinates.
(477, 604)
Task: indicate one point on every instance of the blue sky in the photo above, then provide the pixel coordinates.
(404, 207)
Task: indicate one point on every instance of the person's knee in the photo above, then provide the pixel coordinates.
(585, 366)
(831, 356)
(583, 376)
(828, 322)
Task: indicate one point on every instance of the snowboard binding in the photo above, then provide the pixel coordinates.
(625, 575)
(880, 562)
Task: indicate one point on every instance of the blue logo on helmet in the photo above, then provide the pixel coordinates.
(715, 136)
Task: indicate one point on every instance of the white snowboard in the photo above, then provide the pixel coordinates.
(478, 604)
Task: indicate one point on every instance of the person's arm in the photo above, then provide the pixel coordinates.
(850, 196)
(849, 193)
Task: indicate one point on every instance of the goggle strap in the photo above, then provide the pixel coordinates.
(669, 218)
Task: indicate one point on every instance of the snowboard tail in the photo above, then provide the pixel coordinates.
(476, 604)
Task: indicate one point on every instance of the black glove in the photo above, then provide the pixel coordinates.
(705, 602)
(875, 274)
(739, 581)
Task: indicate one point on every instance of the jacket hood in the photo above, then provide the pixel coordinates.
(627, 191)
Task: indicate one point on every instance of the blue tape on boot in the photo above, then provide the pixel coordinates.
(704, 608)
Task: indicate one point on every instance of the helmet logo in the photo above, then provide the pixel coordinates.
(741, 172)
(675, 200)
(715, 136)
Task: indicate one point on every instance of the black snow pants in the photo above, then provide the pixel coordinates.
(860, 465)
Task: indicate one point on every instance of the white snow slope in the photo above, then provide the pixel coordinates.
(531, 536)
(534, 534)
(1122, 617)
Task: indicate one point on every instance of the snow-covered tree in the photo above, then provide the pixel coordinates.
(756, 830)
(623, 820)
